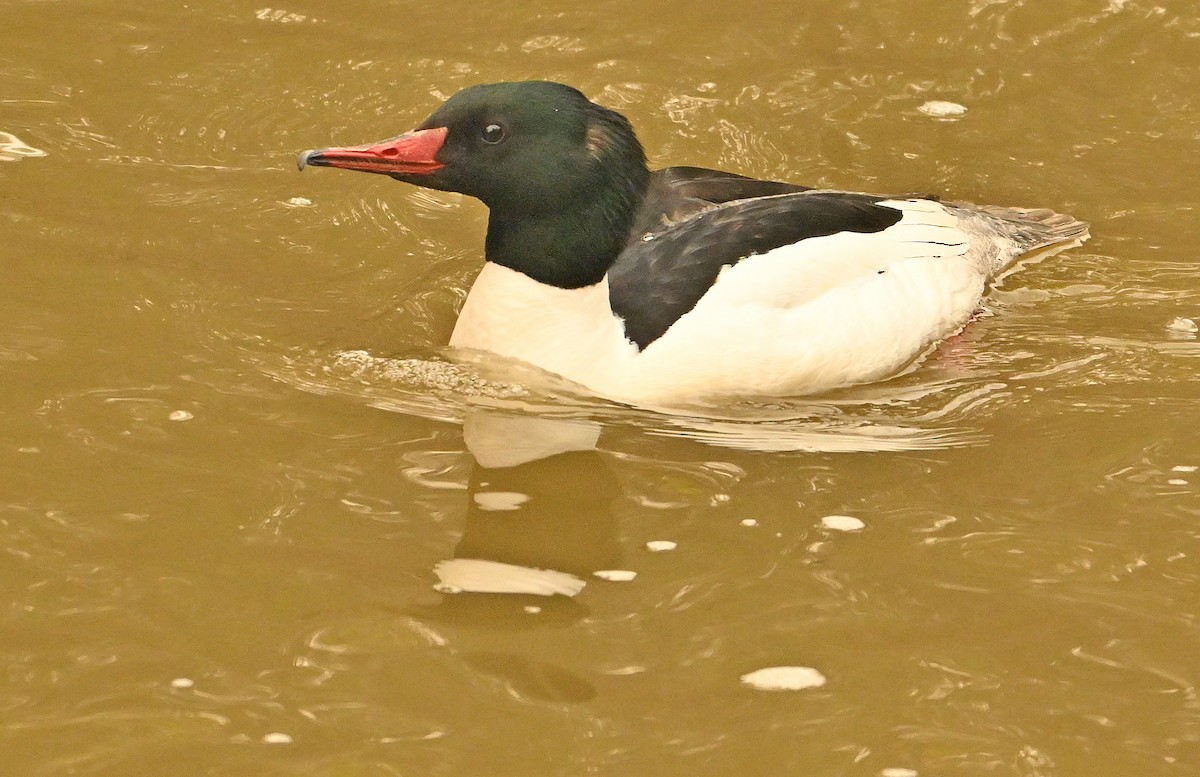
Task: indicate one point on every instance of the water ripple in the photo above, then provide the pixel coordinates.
(922, 415)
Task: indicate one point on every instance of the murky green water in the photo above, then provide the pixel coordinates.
(252, 528)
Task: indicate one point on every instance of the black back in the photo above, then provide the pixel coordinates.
(677, 193)
(696, 223)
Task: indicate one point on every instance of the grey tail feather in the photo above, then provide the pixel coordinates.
(1033, 228)
(1031, 233)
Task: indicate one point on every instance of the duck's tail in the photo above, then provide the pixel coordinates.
(1030, 233)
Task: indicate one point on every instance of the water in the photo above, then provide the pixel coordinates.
(255, 524)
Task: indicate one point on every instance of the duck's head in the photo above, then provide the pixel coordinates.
(522, 148)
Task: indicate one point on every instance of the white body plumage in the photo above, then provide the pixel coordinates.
(818, 314)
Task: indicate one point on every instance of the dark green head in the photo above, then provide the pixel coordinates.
(552, 166)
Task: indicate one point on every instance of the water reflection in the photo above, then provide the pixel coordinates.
(912, 413)
(539, 521)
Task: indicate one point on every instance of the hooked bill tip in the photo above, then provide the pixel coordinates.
(302, 160)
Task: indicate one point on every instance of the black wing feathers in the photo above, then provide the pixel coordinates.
(664, 271)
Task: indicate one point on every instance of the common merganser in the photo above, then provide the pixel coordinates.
(687, 283)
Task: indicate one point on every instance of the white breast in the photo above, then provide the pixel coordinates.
(823, 313)
(570, 332)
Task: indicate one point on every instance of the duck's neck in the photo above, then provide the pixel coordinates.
(573, 243)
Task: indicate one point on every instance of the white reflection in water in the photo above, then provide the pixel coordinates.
(502, 440)
(474, 575)
(13, 148)
(499, 501)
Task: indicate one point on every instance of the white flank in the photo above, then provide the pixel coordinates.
(820, 314)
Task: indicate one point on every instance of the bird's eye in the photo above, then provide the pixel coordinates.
(493, 133)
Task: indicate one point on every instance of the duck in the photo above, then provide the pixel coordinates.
(688, 284)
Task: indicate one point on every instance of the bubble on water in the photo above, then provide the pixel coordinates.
(660, 546)
(615, 575)
(277, 738)
(942, 109)
(748, 522)
(299, 202)
(279, 16)
(897, 771)
(784, 678)
(429, 374)
(182, 682)
(842, 523)
(180, 415)
(1183, 328)
(1183, 325)
(560, 43)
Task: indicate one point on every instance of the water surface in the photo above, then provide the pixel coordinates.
(255, 525)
